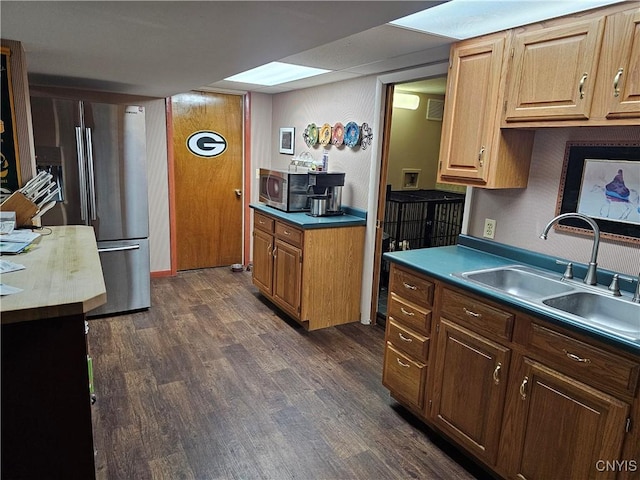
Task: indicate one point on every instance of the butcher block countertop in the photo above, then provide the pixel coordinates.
(63, 277)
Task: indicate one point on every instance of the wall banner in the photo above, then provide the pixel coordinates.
(9, 162)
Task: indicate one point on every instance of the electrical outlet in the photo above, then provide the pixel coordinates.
(489, 228)
(257, 174)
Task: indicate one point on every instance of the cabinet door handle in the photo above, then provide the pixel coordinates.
(575, 357)
(523, 388)
(616, 82)
(275, 250)
(269, 249)
(405, 339)
(409, 286)
(405, 365)
(496, 373)
(406, 312)
(581, 86)
(472, 313)
(480, 155)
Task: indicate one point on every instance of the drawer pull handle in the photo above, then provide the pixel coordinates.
(523, 388)
(616, 82)
(496, 373)
(405, 365)
(472, 313)
(406, 312)
(405, 339)
(286, 232)
(409, 286)
(261, 222)
(575, 357)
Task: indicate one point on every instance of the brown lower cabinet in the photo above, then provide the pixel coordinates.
(314, 275)
(526, 398)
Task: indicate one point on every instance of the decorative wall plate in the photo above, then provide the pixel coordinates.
(337, 134)
(325, 134)
(351, 134)
(311, 135)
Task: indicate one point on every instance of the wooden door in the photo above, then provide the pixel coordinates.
(469, 388)
(207, 144)
(553, 72)
(287, 277)
(471, 109)
(557, 427)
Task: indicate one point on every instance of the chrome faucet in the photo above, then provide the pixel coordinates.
(591, 277)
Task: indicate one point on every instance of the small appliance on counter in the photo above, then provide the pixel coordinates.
(284, 190)
(326, 199)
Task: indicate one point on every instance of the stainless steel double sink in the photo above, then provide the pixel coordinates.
(590, 305)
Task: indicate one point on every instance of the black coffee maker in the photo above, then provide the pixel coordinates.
(325, 193)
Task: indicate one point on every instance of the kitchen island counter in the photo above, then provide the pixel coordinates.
(46, 403)
(63, 276)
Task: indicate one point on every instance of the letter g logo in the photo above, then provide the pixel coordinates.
(206, 144)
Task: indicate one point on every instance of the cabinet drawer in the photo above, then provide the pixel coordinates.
(411, 286)
(408, 341)
(409, 314)
(289, 234)
(263, 222)
(404, 376)
(583, 361)
(476, 314)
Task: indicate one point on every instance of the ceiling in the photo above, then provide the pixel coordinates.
(161, 48)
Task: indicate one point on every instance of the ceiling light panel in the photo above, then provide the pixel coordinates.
(275, 73)
(461, 19)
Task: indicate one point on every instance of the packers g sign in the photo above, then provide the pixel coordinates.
(206, 143)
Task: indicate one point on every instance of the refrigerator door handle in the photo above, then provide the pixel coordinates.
(118, 249)
(82, 175)
(90, 175)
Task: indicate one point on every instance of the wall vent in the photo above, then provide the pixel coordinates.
(435, 109)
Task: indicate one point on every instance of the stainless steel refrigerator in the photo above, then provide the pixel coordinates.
(97, 154)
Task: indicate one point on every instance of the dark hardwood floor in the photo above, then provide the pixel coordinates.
(212, 383)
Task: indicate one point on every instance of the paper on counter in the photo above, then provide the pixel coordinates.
(6, 266)
(7, 227)
(20, 236)
(8, 289)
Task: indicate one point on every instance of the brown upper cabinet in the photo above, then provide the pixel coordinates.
(577, 72)
(474, 151)
(619, 86)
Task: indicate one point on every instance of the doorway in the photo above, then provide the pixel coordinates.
(415, 211)
(208, 157)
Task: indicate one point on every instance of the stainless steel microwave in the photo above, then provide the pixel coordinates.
(284, 190)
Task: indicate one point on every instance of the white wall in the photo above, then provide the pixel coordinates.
(351, 100)
(521, 214)
(415, 144)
